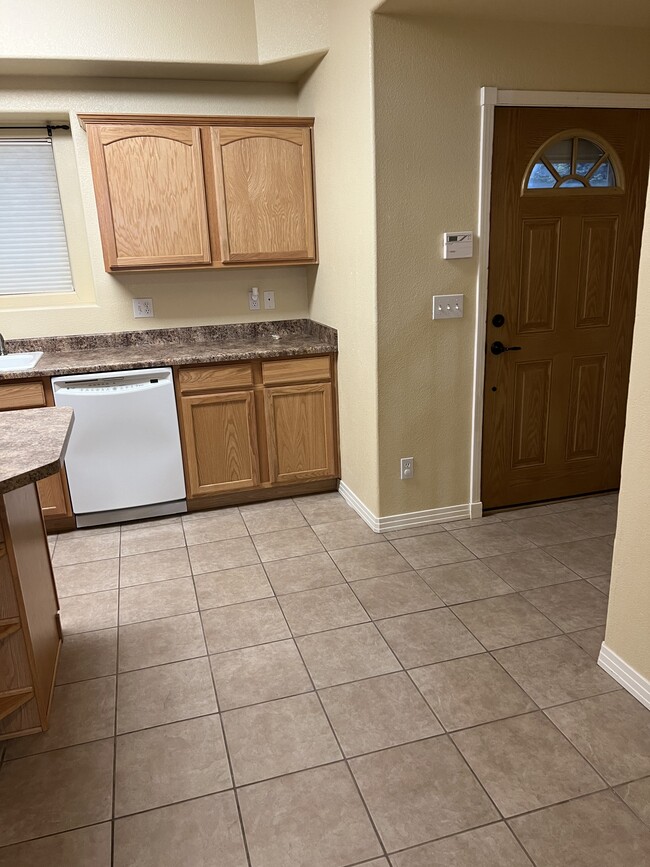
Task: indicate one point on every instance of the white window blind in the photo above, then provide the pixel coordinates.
(33, 248)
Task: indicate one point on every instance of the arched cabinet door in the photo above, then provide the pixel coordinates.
(150, 194)
(264, 194)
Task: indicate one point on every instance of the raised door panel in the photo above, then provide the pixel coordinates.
(300, 432)
(220, 442)
(531, 413)
(265, 194)
(538, 275)
(586, 404)
(596, 276)
(150, 195)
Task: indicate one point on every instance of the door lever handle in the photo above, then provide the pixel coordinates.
(497, 348)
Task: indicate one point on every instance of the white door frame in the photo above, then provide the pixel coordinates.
(491, 97)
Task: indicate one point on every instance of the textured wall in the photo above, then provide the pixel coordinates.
(428, 74)
(288, 28)
(180, 298)
(343, 289)
(628, 620)
(203, 31)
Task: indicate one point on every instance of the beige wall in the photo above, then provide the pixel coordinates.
(180, 298)
(204, 31)
(343, 289)
(628, 620)
(288, 28)
(427, 79)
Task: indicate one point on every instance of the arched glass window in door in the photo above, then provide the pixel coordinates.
(574, 160)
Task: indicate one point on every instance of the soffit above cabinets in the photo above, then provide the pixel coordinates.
(288, 70)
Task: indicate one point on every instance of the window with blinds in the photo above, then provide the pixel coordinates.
(33, 248)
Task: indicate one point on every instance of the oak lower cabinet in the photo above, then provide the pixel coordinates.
(220, 442)
(258, 425)
(53, 490)
(299, 409)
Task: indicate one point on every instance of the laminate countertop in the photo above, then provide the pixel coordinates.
(32, 444)
(172, 347)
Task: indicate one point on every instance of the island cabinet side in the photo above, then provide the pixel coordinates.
(30, 632)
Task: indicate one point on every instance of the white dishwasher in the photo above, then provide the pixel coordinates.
(124, 457)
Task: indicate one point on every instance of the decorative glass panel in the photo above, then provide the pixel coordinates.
(541, 178)
(573, 162)
(559, 156)
(603, 176)
(588, 154)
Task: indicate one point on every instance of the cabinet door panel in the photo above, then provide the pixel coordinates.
(221, 442)
(23, 395)
(52, 494)
(150, 195)
(300, 432)
(265, 194)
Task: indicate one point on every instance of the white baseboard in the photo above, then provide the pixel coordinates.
(407, 519)
(627, 676)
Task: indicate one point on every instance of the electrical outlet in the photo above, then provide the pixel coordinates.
(269, 300)
(254, 298)
(406, 468)
(142, 308)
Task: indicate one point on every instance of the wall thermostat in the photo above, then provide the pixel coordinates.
(458, 245)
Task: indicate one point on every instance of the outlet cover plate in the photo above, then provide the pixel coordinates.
(406, 468)
(142, 308)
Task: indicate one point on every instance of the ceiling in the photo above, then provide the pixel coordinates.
(622, 13)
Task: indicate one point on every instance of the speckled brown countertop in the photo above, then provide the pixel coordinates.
(210, 344)
(32, 444)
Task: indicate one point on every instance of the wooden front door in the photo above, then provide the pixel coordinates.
(568, 197)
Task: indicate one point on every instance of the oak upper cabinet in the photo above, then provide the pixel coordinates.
(219, 428)
(202, 192)
(299, 419)
(265, 202)
(150, 191)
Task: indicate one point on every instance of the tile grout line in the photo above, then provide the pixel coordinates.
(117, 675)
(222, 728)
(338, 743)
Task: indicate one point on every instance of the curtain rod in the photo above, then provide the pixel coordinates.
(48, 126)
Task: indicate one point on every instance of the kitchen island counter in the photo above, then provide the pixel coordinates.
(32, 445)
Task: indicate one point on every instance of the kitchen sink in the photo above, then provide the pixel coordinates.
(19, 360)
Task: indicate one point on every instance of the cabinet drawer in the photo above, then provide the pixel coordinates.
(22, 396)
(314, 369)
(199, 379)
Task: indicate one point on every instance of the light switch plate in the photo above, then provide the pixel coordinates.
(448, 306)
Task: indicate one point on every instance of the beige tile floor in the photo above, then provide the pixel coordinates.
(276, 686)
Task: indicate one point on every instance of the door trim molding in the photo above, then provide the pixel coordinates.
(490, 98)
(623, 673)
